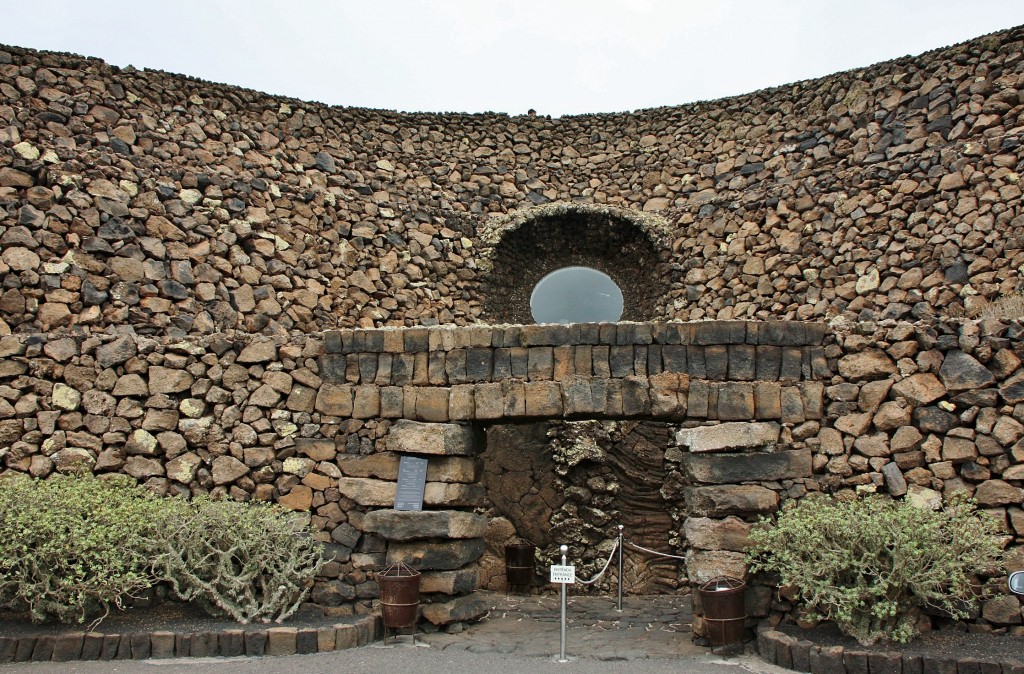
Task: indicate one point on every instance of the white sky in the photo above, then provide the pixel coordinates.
(559, 56)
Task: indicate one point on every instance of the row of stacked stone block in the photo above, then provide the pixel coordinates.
(663, 396)
(734, 362)
(721, 350)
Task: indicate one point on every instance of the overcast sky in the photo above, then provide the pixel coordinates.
(557, 56)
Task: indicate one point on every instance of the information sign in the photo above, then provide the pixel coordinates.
(563, 574)
(412, 477)
(1017, 582)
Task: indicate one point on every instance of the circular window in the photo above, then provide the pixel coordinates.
(576, 295)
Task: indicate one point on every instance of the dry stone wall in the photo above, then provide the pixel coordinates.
(183, 207)
(183, 266)
(918, 412)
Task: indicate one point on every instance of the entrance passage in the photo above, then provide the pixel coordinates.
(576, 295)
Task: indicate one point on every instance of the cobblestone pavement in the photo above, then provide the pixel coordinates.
(652, 626)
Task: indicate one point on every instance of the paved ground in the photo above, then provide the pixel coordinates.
(520, 635)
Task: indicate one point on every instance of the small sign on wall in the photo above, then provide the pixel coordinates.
(563, 574)
(412, 478)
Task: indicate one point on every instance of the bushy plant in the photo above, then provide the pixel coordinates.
(249, 561)
(73, 545)
(870, 565)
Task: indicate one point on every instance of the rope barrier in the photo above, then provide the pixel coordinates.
(601, 573)
(653, 552)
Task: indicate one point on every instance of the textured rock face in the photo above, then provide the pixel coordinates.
(185, 207)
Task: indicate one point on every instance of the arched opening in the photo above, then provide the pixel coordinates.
(629, 249)
(576, 295)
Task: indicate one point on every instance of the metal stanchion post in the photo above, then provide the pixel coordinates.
(618, 603)
(561, 640)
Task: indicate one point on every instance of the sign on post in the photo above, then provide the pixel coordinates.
(412, 478)
(563, 574)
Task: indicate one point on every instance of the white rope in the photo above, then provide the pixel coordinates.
(606, 565)
(653, 552)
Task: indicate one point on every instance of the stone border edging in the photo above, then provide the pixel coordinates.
(271, 641)
(801, 655)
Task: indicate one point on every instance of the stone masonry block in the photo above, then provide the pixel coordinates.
(400, 525)
(432, 404)
(543, 399)
(735, 401)
(747, 467)
(381, 493)
(412, 437)
(720, 501)
(437, 556)
(469, 607)
(728, 436)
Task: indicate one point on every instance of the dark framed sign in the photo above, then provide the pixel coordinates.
(412, 478)
(1017, 582)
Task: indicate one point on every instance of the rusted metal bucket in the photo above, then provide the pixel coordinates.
(519, 563)
(722, 599)
(399, 595)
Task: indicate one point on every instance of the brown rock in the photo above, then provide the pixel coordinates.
(906, 438)
(183, 468)
(729, 436)
(867, 364)
(168, 380)
(469, 607)
(396, 525)
(459, 581)
(1004, 610)
(439, 556)
(998, 493)
(141, 467)
(720, 501)
(748, 467)
(704, 533)
(300, 498)
(891, 415)
(854, 424)
(958, 450)
(334, 400)
(920, 389)
(704, 565)
(961, 372)
(227, 469)
(411, 437)
(258, 351)
(872, 394)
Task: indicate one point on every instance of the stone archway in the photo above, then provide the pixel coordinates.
(522, 248)
(737, 388)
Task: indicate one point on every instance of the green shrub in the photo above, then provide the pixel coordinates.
(73, 545)
(871, 565)
(249, 561)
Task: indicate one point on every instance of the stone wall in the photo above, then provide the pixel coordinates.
(712, 370)
(183, 207)
(915, 411)
(177, 257)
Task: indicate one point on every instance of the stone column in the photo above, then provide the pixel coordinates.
(444, 540)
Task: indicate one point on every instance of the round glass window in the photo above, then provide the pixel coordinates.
(576, 295)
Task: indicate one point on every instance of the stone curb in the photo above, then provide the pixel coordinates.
(801, 655)
(165, 644)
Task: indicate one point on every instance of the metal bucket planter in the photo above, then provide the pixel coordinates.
(399, 596)
(722, 599)
(519, 563)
